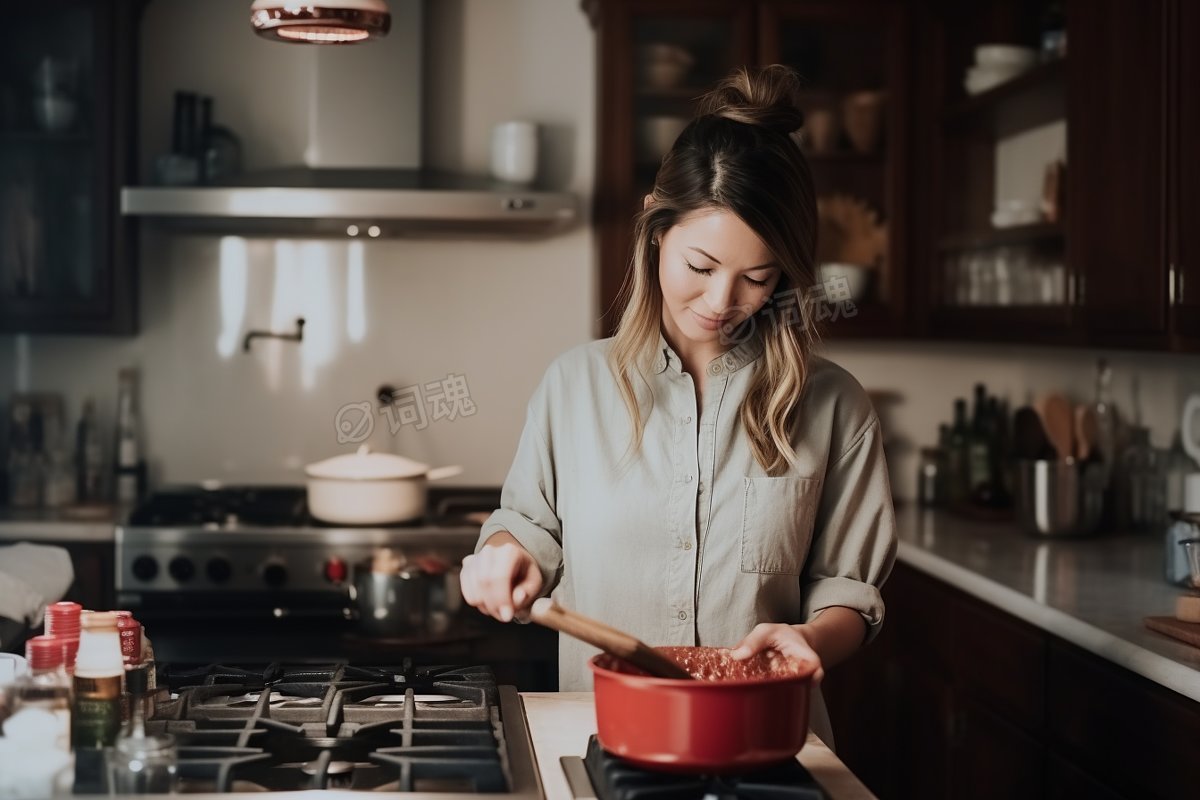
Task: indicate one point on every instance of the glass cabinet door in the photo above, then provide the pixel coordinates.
(849, 56)
(656, 58)
(57, 164)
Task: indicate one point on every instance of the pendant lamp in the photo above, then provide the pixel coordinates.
(320, 21)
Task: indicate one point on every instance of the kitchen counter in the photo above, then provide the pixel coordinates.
(58, 525)
(561, 722)
(1092, 593)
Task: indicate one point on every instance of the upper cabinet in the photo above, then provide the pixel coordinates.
(992, 238)
(1183, 27)
(67, 264)
(655, 57)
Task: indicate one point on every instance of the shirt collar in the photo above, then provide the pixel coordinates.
(728, 362)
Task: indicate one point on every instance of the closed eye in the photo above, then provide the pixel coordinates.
(699, 271)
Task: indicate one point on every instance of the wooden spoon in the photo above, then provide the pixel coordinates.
(612, 641)
(1029, 437)
(1059, 421)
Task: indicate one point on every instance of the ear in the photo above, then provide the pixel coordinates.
(647, 201)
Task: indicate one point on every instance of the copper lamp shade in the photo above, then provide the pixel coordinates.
(320, 21)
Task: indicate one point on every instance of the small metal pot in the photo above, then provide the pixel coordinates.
(398, 594)
(1059, 497)
(390, 605)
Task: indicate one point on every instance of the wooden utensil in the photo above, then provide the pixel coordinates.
(612, 641)
(1059, 421)
(1188, 632)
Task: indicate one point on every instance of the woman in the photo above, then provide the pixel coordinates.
(702, 477)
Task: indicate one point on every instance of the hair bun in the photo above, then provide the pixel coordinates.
(764, 96)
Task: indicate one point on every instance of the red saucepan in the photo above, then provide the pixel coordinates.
(727, 716)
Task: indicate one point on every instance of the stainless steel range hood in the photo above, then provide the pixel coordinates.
(331, 137)
(364, 203)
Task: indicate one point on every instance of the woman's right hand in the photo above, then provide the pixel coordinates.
(502, 579)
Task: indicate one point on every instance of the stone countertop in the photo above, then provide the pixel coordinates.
(1092, 592)
(58, 525)
(561, 722)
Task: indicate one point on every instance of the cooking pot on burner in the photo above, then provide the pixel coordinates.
(736, 717)
(365, 488)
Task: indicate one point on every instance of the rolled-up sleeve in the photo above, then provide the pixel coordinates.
(527, 501)
(854, 543)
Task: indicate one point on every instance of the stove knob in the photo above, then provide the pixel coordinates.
(219, 569)
(145, 568)
(275, 574)
(335, 570)
(182, 569)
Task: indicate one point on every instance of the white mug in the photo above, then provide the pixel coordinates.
(514, 151)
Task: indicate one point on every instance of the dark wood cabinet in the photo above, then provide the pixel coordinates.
(850, 54)
(67, 144)
(982, 704)
(1183, 26)
(1116, 220)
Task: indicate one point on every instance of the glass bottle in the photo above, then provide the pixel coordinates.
(46, 687)
(96, 717)
(141, 763)
(128, 468)
(1144, 481)
(957, 457)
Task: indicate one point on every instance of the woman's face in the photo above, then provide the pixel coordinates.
(715, 272)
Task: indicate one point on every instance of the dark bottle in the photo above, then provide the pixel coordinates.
(89, 463)
(957, 479)
(129, 469)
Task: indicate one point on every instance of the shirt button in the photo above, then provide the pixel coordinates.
(683, 615)
(687, 545)
(687, 420)
(687, 478)
(730, 361)
(714, 369)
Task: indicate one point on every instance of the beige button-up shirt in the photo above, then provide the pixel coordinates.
(688, 541)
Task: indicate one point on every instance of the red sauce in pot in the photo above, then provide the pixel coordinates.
(717, 664)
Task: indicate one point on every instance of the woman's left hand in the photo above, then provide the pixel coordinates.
(791, 641)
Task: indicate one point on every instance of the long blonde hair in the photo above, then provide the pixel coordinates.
(737, 155)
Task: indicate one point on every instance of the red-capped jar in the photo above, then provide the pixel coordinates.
(130, 631)
(70, 648)
(44, 653)
(62, 620)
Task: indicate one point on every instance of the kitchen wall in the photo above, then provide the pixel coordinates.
(411, 312)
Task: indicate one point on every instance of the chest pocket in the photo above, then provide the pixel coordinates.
(777, 523)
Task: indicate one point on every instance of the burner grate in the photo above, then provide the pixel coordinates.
(280, 727)
(614, 779)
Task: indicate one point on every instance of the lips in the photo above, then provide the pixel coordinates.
(709, 323)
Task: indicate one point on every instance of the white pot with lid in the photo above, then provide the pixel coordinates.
(365, 488)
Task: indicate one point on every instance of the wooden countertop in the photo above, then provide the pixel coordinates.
(561, 722)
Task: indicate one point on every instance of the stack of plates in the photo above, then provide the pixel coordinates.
(996, 64)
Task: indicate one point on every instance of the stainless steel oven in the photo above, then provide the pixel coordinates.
(245, 573)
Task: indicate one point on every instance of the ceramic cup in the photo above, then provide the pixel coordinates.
(514, 151)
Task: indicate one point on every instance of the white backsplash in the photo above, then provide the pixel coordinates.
(495, 312)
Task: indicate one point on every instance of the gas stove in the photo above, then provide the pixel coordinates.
(432, 731)
(599, 775)
(246, 573)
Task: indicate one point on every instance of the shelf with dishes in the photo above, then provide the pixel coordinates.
(1009, 96)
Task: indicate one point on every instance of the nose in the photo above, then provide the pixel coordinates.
(720, 296)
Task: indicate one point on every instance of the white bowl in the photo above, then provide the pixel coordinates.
(858, 278)
(1005, 55)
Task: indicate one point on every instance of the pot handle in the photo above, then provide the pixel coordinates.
(437, 473)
